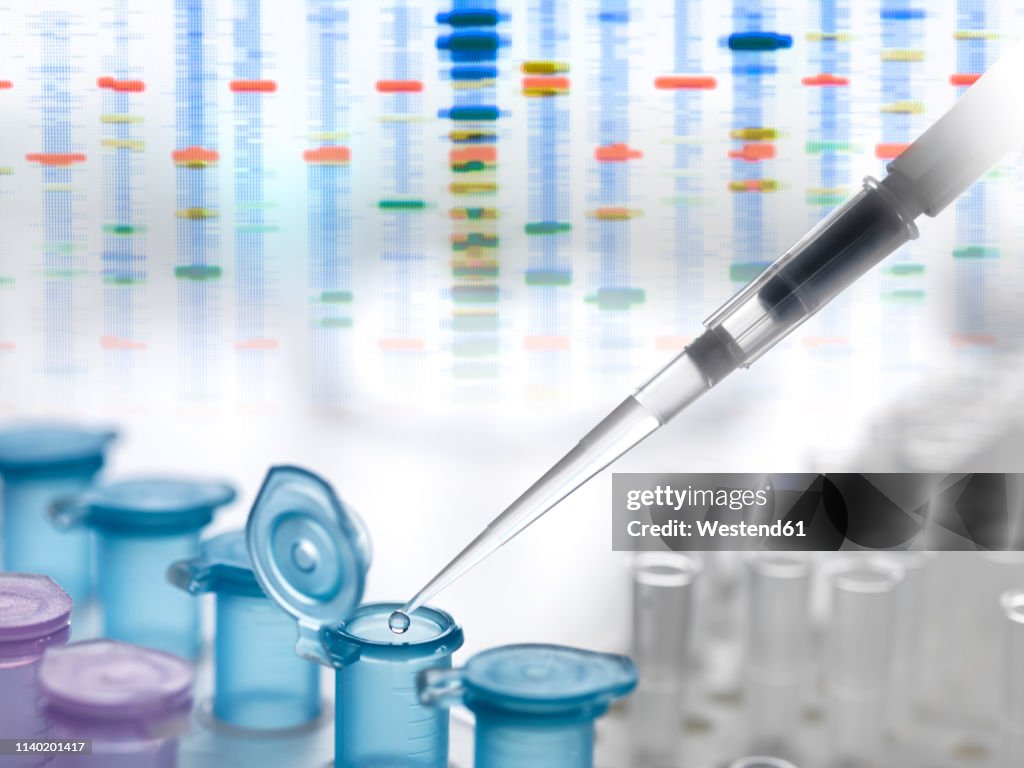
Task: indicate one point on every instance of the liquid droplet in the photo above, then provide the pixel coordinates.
(398, 622)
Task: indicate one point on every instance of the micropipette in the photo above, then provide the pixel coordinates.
(984, 124)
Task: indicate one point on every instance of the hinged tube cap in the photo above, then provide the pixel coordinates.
(146, 505)
(542, 680)
(310, 552)
(222, 566)
(34, 613)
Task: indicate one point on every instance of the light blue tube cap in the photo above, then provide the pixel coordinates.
(546, 680)
(52, 448)
(222, 567)
(146, 506)
(310, 552)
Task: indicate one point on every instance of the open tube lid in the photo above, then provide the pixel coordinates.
(310, 553)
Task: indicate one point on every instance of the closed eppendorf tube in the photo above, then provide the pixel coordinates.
(1012, 725)
(535, 705)
(39, 466)
(142, 527)
(858, 658)
(776, 665)
(664, 598)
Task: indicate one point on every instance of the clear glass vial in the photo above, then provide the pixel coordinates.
(259, 681)
(664, 600)
(39, 465)
(535, 705)
(859, 654)
(142, 526)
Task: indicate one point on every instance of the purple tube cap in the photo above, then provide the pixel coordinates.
(110, 680)
(32, 607)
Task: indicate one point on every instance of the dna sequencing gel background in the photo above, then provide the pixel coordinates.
(420, 247)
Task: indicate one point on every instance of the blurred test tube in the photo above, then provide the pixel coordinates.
(761, 762)
(719, 618)
(858, 657)
(912, 653)
(777, 649)
(994, 574)
(1013, 679)
(664, 585)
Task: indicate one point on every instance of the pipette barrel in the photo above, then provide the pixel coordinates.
(664, 599)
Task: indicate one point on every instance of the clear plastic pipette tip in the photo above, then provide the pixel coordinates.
(622, 429)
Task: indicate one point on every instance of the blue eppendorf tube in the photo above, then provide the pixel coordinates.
(259, 682)
(535, 705)
(142, 526)
(380, 720)
(40, 465)
(311, 554)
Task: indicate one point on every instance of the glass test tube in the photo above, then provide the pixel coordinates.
(39, 466)
(858, 657)
(142, 527)
(994, 574)
(259, 681)
(133, 703)
(776, 653)
(34, 615)
(912, 656)
(379, 719)
(1012, 717)
(535, 705)
(761, 762)
(664, 599)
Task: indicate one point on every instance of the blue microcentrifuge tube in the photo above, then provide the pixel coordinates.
(379, 718)
(130, 703)
(142, 526)
(34, 615)
(311, 554)
(40, 465)
(259, 681)
(535, 705)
